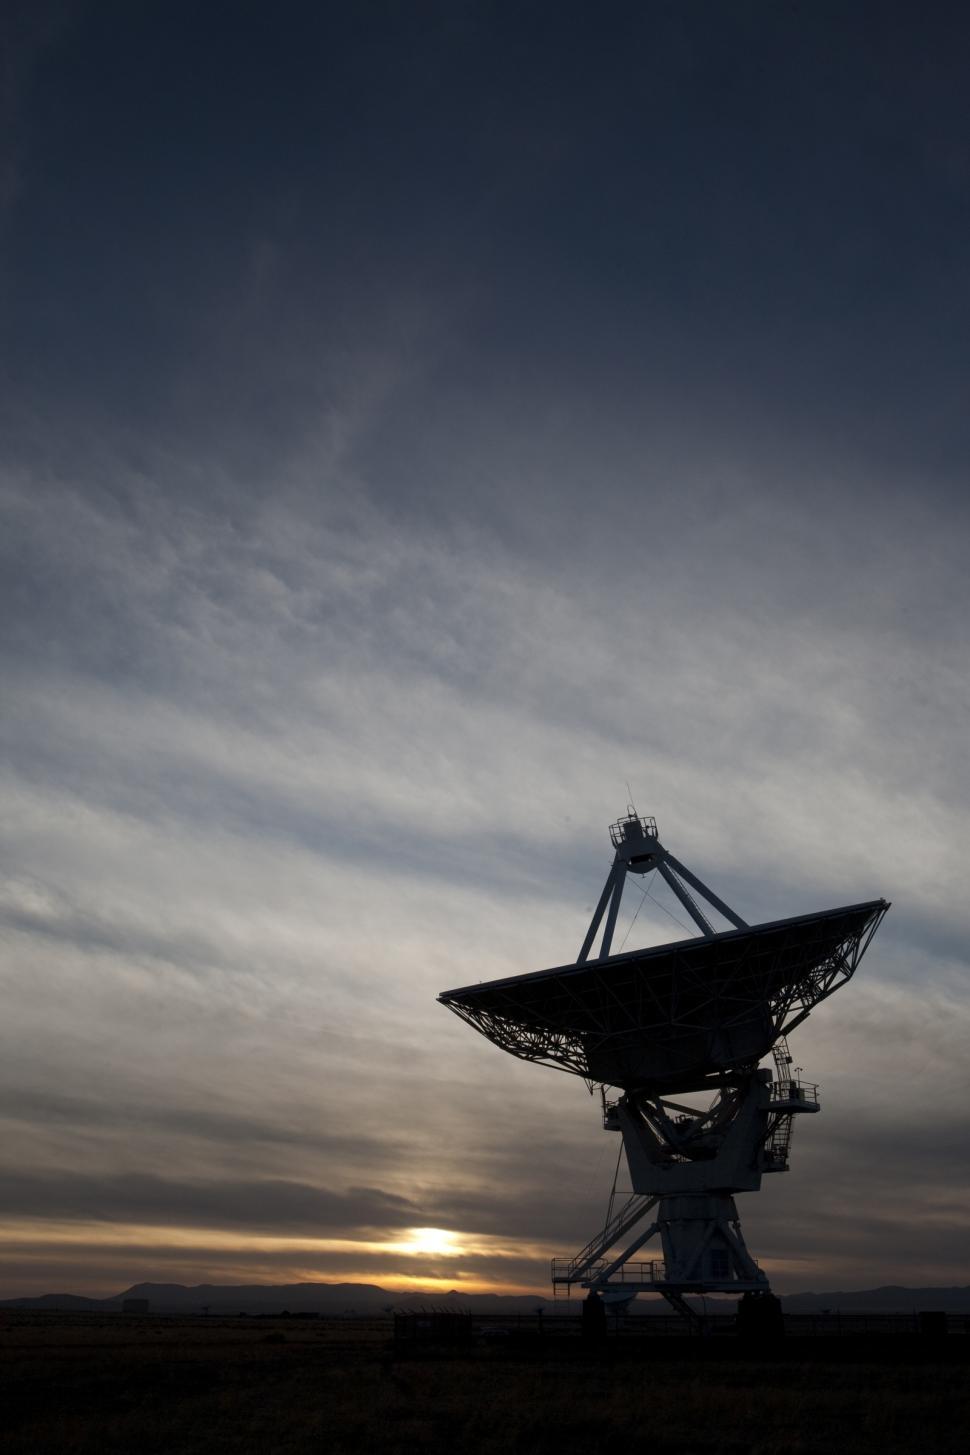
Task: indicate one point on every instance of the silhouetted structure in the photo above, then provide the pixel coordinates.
(690, 1018)
(594, 1318)
(760, 1316)
(433, 1326)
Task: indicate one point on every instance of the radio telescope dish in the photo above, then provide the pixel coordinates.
(693, 1016)
(697, 1008)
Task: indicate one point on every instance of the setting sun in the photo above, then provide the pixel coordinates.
(437, 1241)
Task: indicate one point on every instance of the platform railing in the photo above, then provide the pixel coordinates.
(650, 1271)
(620, 832)
(568, 1270)
(803, 1092)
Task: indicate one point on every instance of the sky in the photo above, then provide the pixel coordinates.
(423, 427)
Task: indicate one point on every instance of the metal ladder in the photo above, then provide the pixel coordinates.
(782, 1058)
(778, 1143)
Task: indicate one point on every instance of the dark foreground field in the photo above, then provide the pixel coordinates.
(139, 1385)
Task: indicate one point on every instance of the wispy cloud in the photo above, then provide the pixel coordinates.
(345, 586)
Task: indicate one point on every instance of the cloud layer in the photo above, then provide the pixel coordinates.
(366, 532)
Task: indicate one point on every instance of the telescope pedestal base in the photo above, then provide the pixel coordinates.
(703, 1245)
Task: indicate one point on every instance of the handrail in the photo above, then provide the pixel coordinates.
(649, 1271)
(631, 1212)
(646, 828)
(792, 1089)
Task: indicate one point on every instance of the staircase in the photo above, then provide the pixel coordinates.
(571, 1270)
(778, 1144)
(782, 1058)
(789, 1096)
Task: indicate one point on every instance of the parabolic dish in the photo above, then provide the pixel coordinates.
(675, 1014)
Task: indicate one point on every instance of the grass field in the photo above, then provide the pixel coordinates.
(96, 1386)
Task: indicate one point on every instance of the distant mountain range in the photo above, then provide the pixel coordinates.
(368, 1298)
